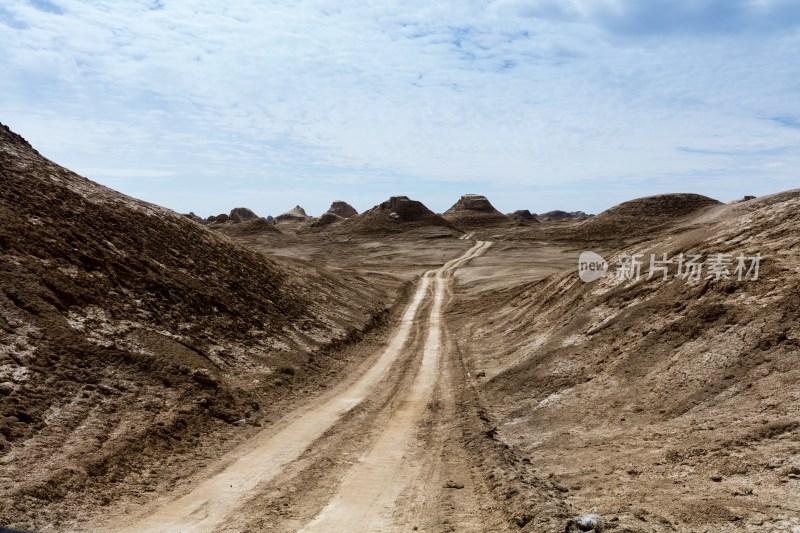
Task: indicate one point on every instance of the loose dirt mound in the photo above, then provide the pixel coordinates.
(342, 209)
(662, 403)
(474, 211)
(132, 335)
(296, 214)
(396, 215)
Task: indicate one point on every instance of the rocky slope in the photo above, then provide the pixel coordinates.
(131, 336)
(667, 405)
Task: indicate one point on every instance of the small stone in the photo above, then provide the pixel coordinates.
(716, 478)
(589, 522)
(205, 377)
(792, 470)
(453, 485)
(775, 463)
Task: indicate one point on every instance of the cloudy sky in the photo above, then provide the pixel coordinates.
(205, 105)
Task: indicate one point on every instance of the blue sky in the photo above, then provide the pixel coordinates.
(206, 105)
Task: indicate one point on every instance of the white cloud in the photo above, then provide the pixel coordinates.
(493, 95)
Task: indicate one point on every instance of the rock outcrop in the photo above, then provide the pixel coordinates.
(473, 211)
(243, 214)
(296, 214)
(523, 215)
(342, 209)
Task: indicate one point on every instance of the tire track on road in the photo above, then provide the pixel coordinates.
(365, 500)
(208, 505)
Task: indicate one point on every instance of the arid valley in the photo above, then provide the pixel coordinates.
(394, 370)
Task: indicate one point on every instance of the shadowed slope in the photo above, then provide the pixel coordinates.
(127, 330)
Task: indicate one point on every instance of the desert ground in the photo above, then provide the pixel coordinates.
(394, 370)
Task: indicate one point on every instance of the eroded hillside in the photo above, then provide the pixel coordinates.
(130, 336)
(665, 405)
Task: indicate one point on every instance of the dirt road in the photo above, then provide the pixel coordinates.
(391, 482)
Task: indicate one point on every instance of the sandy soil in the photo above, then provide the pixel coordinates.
(386, 488)
(659, 405)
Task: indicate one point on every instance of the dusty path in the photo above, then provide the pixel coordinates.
(365, 500)
(366, 497)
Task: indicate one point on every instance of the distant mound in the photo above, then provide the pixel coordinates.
(222, 218)
(404, 209)
(236, 216)
(326, 219)
(251, 227)
(397, 214)
(242, 214)
(661, 206)
(472, 203)
(473, 211)
(642, 217)
(631, 221)
(523, 215)
(296, 214)
(342, 209)
(561, 216)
